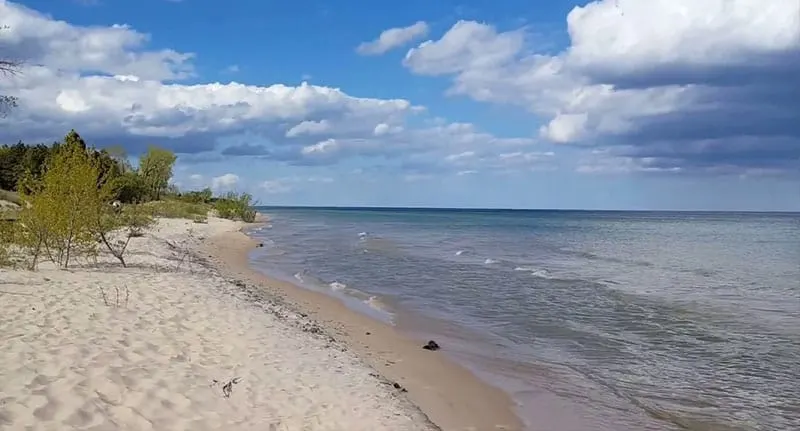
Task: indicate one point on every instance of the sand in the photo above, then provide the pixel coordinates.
(152, 346)
(450, 395)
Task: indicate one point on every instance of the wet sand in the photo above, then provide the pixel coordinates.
(449, 394)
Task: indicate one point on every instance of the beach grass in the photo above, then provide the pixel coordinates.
(170, 208)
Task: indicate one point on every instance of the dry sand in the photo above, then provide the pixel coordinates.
(450, 395)
(172, 331)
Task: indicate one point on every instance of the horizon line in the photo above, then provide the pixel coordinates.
(358, 207)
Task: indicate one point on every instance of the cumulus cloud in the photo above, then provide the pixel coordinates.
(114, 50)
(309, 128)
(393, 38)
(693, 85)
(225, 182)
(107, 83)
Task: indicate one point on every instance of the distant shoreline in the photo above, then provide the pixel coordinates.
(519, 210)
(449, 394)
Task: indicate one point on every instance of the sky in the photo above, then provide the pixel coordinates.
(612, 104)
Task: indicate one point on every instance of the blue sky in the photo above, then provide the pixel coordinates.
(614, 104)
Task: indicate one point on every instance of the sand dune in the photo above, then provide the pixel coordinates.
(152, 347)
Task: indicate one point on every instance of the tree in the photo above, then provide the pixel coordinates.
(120, 156)
(60, 210)
(155, 168)
(12, 165)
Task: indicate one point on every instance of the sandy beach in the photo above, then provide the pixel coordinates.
(170, 343)
(449, 394)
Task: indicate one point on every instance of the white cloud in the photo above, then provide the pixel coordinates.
(385, 129)
(668, 80)
(322, 147)
(113, 50)
(309, 128)
(138, 100)
(225, 182)
(393, 38)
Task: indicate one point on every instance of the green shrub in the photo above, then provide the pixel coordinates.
(60, 211)
(130, 188)
(196, 197)
(176, 209)
(236, 206)
(6, 240)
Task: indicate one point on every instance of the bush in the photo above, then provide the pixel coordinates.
(130, 188)
(235, 206)
(59, 215)
(176, 209)
(197, 197)
(6, 240)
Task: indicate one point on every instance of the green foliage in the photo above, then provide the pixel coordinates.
(20, 161)
(234, 206)
(204, 196)
(12, 165)
(155, 168)
(6, 241)
(59, 215)
(130, 187)
(176, 209)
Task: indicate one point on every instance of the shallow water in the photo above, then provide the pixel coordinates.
(592, 320)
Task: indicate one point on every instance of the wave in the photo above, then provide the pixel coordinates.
(337, 287)
(536, 272)
(342, 290)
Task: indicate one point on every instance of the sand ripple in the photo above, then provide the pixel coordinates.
(159, 361)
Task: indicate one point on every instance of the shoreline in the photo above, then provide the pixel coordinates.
(170, 343)
(452, 396)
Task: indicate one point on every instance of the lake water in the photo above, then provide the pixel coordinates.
(590, 320)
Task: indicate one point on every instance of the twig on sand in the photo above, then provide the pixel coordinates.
(227, 388)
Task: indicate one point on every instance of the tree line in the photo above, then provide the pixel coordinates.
(22, 164)
(65, 191)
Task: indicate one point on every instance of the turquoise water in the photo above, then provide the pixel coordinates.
(591, 320)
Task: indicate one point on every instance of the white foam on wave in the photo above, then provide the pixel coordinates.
(362, 234)
(375, 303)
(337, 287)
(536, 272)
(489, 261)
(299, 277)
(460, 252)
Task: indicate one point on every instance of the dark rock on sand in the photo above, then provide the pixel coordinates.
(432, 345)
